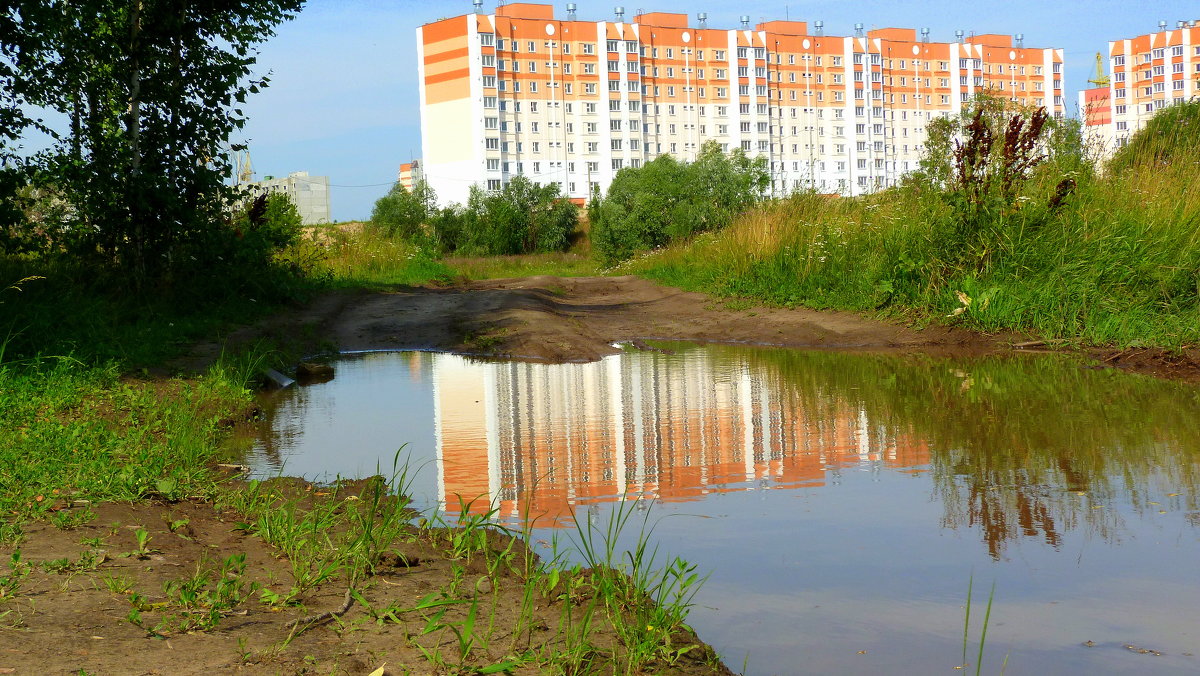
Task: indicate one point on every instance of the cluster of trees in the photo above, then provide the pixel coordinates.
(667, 200)
(141, 97)
(523, 217)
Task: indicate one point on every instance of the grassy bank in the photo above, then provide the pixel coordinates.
(1109, 259)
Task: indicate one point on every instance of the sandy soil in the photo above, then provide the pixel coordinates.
(577, 319)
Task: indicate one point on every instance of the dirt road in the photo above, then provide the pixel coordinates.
(578, 319)
(563, 319)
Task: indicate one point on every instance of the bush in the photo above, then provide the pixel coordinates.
(401, 213)
(523, 217)
(667, 200)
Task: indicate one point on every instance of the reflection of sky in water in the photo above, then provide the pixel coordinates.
(859, 547)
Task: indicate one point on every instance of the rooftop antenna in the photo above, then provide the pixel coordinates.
(820, 26)
(924, 35)
(570, 11)
(478, 6)
(958, 34)
(1020, 39)
(703, 17)
(745, 21)
(620, 12)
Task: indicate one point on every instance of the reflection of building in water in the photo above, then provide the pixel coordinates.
(543, 438)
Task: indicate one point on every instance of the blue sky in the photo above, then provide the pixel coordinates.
(343, 96)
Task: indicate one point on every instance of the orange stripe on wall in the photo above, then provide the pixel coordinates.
(445, 29)
(448, 54)
(463, 73)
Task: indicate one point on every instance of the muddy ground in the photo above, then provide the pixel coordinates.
(70, 612)
(578, 319)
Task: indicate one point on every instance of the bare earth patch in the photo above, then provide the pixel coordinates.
(71, 612)
(562, 319)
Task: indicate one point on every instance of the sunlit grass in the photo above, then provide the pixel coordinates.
(1115, 265)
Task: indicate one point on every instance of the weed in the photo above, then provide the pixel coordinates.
(142, 550)
(200, 601)
(987, 616)
(118, 584)
(67, 519)
(18, 570)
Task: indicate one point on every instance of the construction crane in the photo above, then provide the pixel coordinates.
(1101, 80)
(243, 172)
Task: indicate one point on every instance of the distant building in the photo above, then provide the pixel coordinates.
(1148, 73)
(310, 194)
(572, 102)
(409, 174)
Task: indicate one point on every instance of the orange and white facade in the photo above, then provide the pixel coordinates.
(408, 174)
(520, 92)
(535, 441)
(1149, 72)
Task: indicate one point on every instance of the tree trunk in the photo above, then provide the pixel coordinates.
(133, 123)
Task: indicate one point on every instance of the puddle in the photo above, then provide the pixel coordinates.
(841, 502)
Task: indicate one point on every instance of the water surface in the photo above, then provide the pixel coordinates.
(841, 502)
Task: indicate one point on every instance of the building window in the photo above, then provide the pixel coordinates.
(611, 45)
(487, 39)
(493, 184)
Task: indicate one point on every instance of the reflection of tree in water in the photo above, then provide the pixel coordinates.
(1020, 446)
(281, 425)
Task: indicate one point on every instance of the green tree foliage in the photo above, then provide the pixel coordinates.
(151, 91)
(523, 217)
(667, 200)
(402, 213)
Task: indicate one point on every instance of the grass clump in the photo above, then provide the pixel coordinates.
(1013, 232)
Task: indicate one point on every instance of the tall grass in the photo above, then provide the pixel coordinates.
(360, 256)
(1100, 259)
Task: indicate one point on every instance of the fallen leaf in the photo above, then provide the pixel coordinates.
(379, 671)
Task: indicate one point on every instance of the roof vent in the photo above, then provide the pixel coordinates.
(958, 34)
(858, 29)
(1020, 39)
(745, 21)
(620, 12)
(820, 26)
(570, 11)
(703, 17)
(1162, 25)
(924, 35)
(478, 6)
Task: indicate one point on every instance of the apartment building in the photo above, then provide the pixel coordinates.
(538, 440)
(310, 194)
(520, 92)
(409, 174)
(1148, 73)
